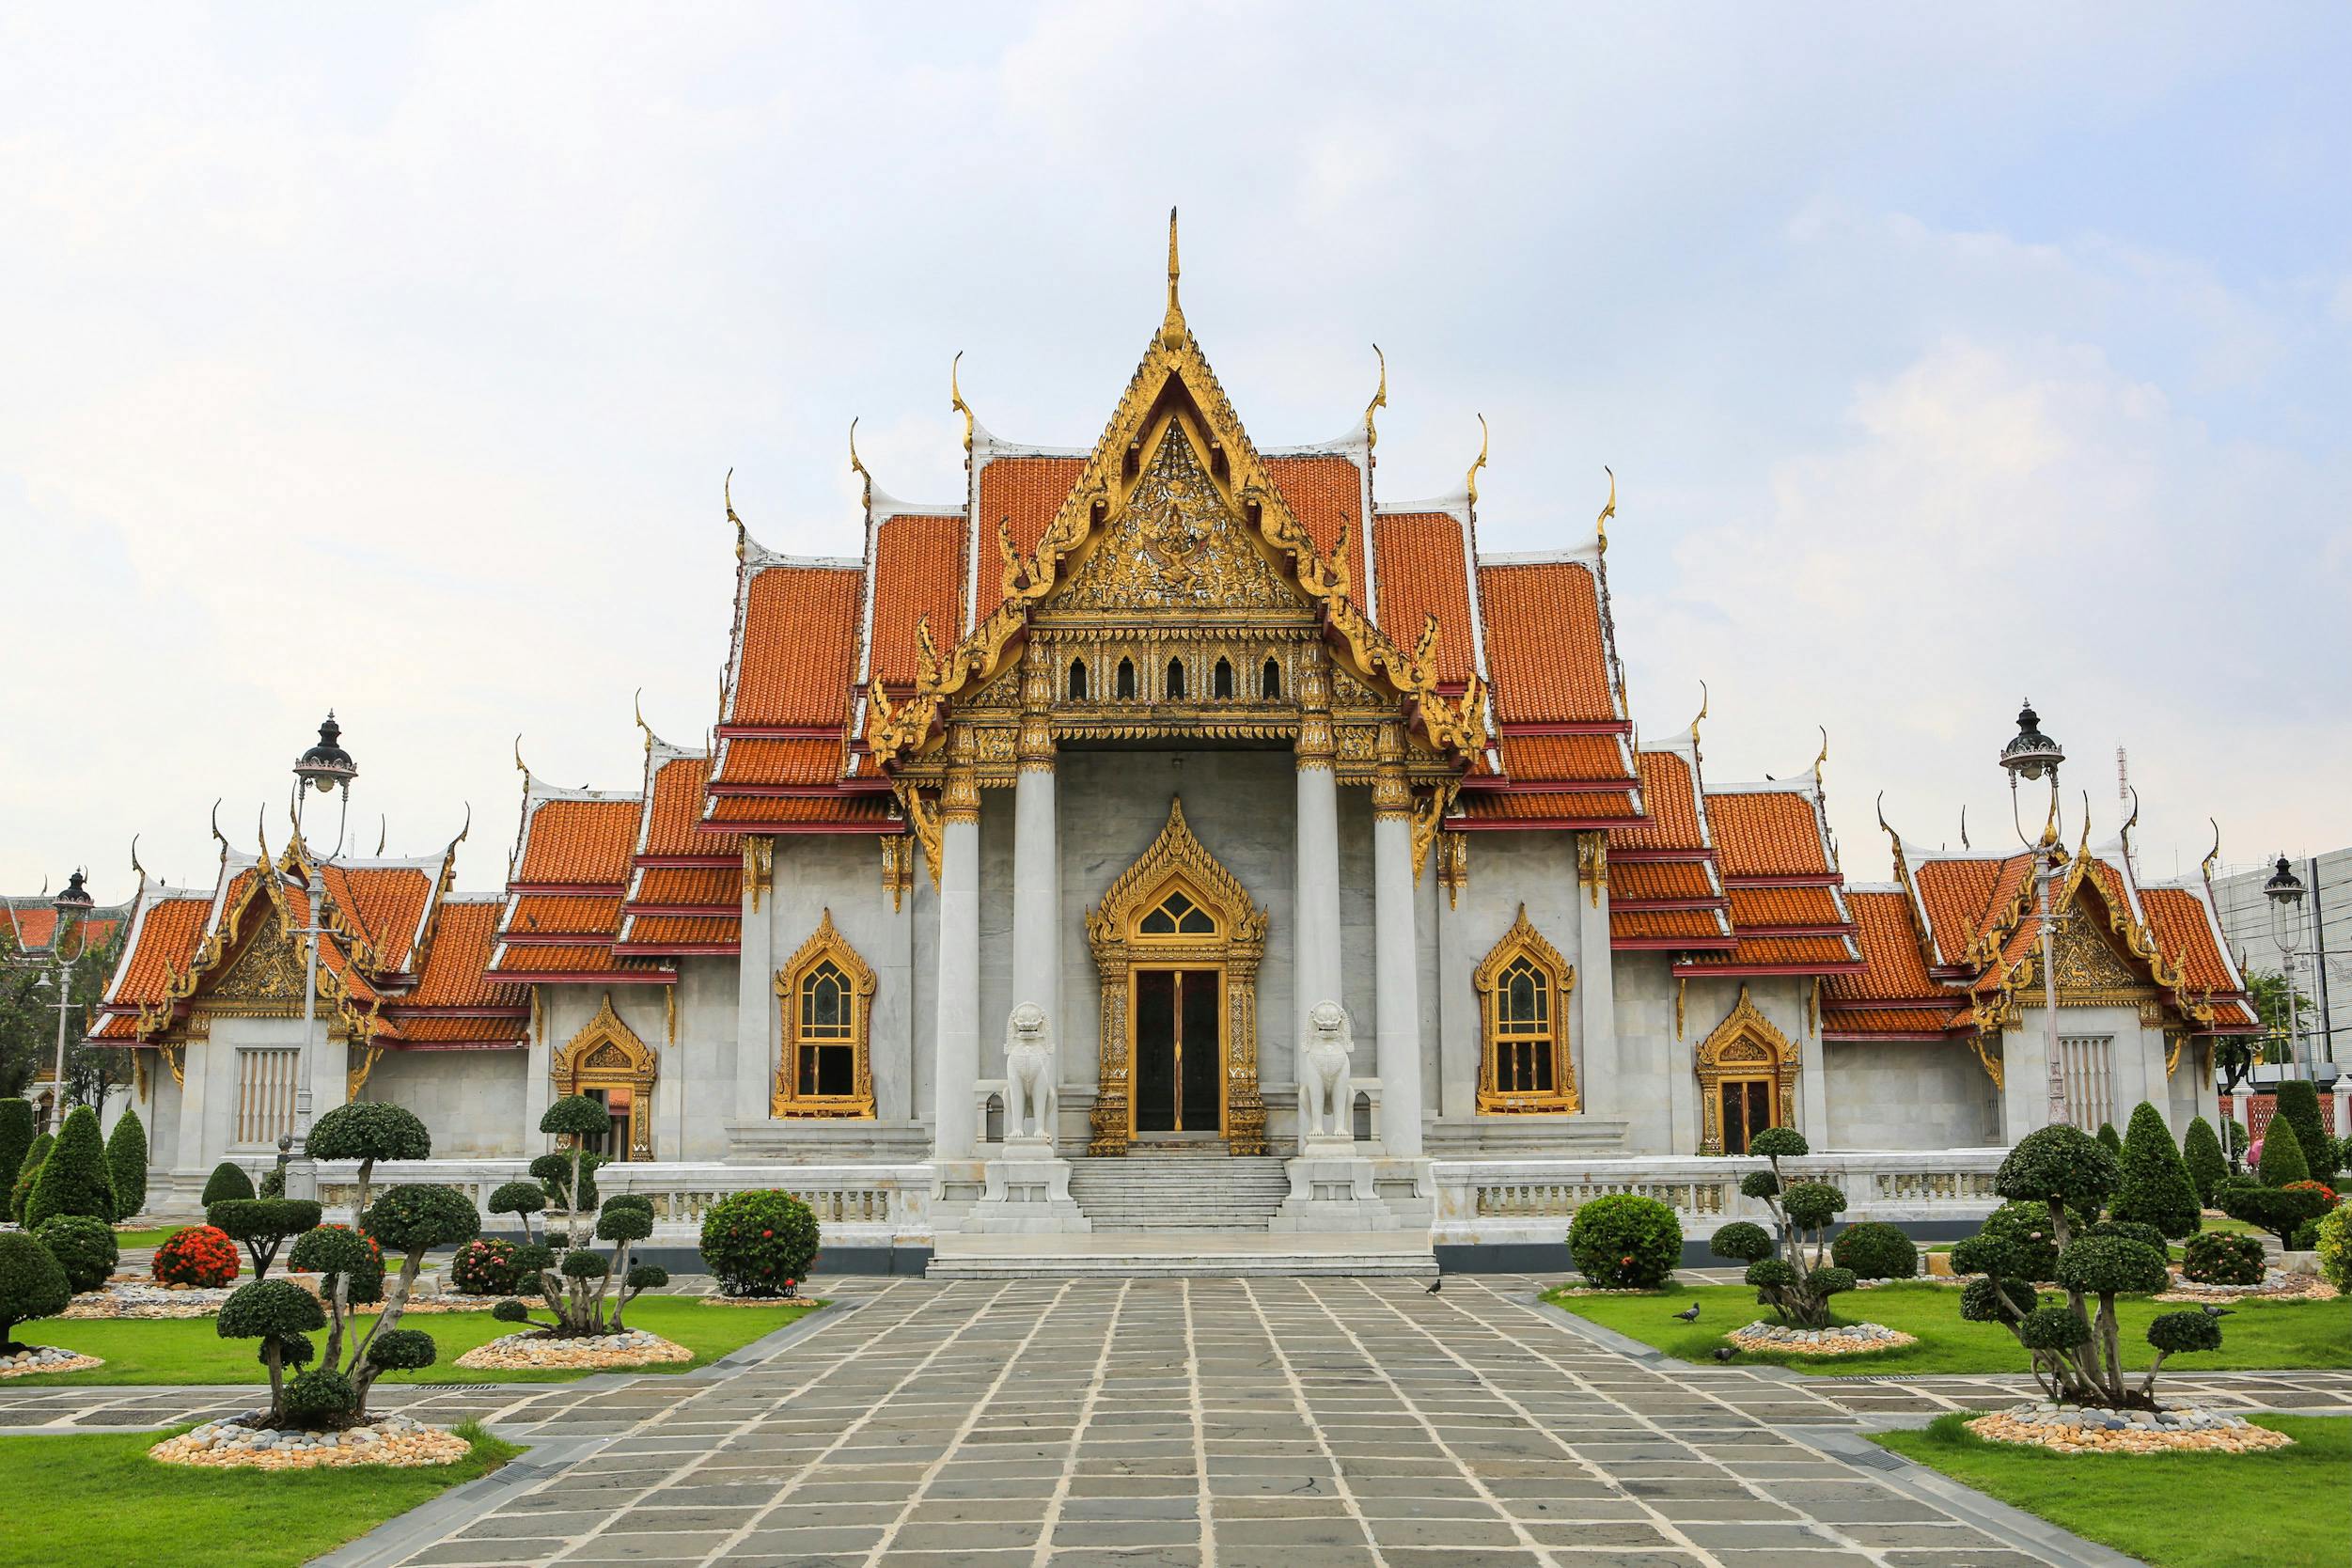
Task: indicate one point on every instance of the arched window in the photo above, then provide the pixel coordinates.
(826, 993)
(1177, 914)
(1221, 680)
(1523, 989)
(1747, 1080)
(1077, 679)
(1175, 677)
(1127, 677)
(1270, 682)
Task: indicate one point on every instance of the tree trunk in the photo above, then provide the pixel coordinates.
(275, 1363)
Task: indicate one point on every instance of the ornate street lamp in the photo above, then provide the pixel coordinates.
(2033, 756)
(72, 907)
(325, 767)
(2286, 892)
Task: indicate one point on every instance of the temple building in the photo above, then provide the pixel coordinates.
(1170, 800)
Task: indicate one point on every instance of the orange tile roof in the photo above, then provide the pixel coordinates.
(384, 903)
(33, 925)
(676, 806)
(867, 809)
(1806, 954)
(1891, 947)
(1673, 805)
(515, 960)
(790, 763)
(657, 931)
(1960, 895)
(1891, 1023)
(1650, 881)
(690, 887)
(918, 572)
(1544, 647)
(1753, 907)
(533, 916)
(799, 649)
(1692, 925)
(1029, 491)
(1424, 570)
(2178, 922)
(167, 935)
(1598, 806)
(1767, 833)
(462, 934)
(1325, 494)
(579, 843)
(1564, 759)
(448, 1030)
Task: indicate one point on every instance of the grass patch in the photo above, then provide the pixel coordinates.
(150, 1235)
(2258, 1337)
(190, 1350)
(100, 1499)
(2174, 1510)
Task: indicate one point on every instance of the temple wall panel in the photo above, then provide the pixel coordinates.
(1655, 1092)
(1507, 870)
(471, 1101)
(696, 1094)
(842, 873)
(1909, 1095)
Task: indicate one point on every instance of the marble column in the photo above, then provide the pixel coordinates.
(1315, 891)
(757, 1016)
(1396, 995)
(956, 1044)
(1608, 1073)
(1037, 863)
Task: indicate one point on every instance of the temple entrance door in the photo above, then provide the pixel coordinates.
(1747, 1111)
(1179, 1048)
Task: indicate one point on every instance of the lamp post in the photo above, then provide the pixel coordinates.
(73, 908)
(2032, 756)
(325, 767)
(2286, 892)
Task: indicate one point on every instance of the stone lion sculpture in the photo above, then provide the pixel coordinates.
(1028, 1075)
(1324, 1109)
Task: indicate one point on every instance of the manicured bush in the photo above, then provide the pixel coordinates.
(415, 1218)
(402, 1350)
(2283, 1158)
(2058, 1165)
(1770, 1274)
(31, 1286)
(1876, 1251)
(1620, 1242)
(1992, 1299)
(341, 1257)
(83, 1247)
(762, 1243)
(2335, 1246)
(263, 1223)
(2181, 1334)
(2154, 1188)
(412, 1220)
(2200, 1151)
(2052, 1328)
(282, 1315)
(229, 1180)
(2281, 1209)
(73, 1180)
(2221, 1258)
(485, 1266)
(2112, 1265)
(2298, 1107)
(2110, 1140)
(16, 1141)
(1799, 1281)
(520, 1199)
(126, 1163)
(2146, 1235)
(317, 1399)
(1742, 1241)
(1812, 1205)
(199, 1255)
(369, 1131)
(21, 1191)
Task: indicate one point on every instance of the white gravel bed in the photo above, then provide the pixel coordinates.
(1852, 1339)
(2276, 1285)
(534, 1349)
(2071, 1429)
(397, 1441)
(47, 1358)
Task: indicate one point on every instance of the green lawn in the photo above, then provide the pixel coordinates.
(148, 1236)
(2174, 1510)
(99, 1498)
(190, 1350)
(2260, 1336)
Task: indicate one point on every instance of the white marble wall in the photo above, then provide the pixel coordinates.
(1909, 1095)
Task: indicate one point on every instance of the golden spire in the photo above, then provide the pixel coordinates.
(727, 491)
(1609, 511)
(955, 399)
(1380, 400)
(383, 833)
(463, 831)
(859, 469)
(136, 867)
(1896, 839)
(1694, 723)
(2122, 834)
(1175, 322)
(1469, 481)
(636, 704)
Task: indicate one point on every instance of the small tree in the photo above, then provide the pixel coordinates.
(16, 1138)
(410, 1219)
(263, 1223)
(2201, 1149)
(763, 1242)
(1625, 1242)
(282, 1315)
(73, 1180)
(126, 1163)
(369, 1131)
(577, 1286)
(2110, 1140)
(229, 1180)
(2154, 1188)
(1797, 1287)
(21, 1191)
(2283, 1160)
(31, 1286)
(522, 1200)
(2297, 1105)
(83, 1247)
(349, 1266)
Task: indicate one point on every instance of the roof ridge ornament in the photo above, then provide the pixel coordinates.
(521, 766)
(726, 493)
(1964, 825)
(1379, 401)
(2206, 867)
(1695, 719)
(955, 401)
(216, 831)
(1821, 758)
(1172, 327)
(1469, 481)
(1608, 510)
(636, 705)
(384, 832)
(859, 469)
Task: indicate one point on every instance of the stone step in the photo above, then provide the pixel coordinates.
(1207, 1262)
(1184, 1191)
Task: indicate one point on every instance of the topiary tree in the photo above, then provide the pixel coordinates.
(577, 1117)
(21, 1191)
(762, 1244)
(1625, 1242)
(2297, 1105)
(369, 1131)
(2221, 1258)
(263, 1223)
(2283, 1158)
(229, 1180)
(2335, 1247)
(2200, 1151)
(2075, 1353)
(282, 1315)
(577, 1286)
(410, 1219)
(126, 1163)
(351, 1274)
(83, 1247)
(2154, 1189)
(1876, 1250)
(1797, 1287)
(73, 1179)
(522, 1200)
(31, 1286)
(16, 1138)
(2110, 1140)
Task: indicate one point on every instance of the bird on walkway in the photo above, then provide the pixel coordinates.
(1435, 1283)
(1724, 1353)
(2212, 1312)
(1689, 1313)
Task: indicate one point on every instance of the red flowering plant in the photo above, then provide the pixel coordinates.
(199, 1255)
(759, 1244)
(486, 1266)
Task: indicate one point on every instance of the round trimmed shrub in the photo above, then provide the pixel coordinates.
(2335, 1246)
(575, 1116)
(2054, 1329)
(584, 1264)
(761, 1244)
(2112, 1265)
(415, 1218)
(1779, 1143)
(333, 1251)
(2146, 1235)
(646, 1277)
(485, 1266)
(229, 1180)
(320, 1397)
(73, 1180)
(195, 1255)
(1772, 1273)
(1742, 1242)
(126, 1163)
(402, 1350)
(1980, 1304)
(511, 1311)
(2024, 1229)
(21, 1191)
(16, 1139)
(31, 1285)
(2184, 1333)
(369, 1131)
(1759, 1185)
(1876, 1251)
(83, 1247)
(269, 1310)
(1831, 1281)
(519, 1199)
(1812, 1205)
(2200, 1151)
(2061, 1163)
(2221, 1258)
(621, 1221)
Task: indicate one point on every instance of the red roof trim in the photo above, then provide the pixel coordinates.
(1794, 879)
(1652, 906)
(1488, 784)
(688, 862)
(1702, 970)
(568, 889)
(687, 949)
(1857, 1035)
(1566, 727)
(780, 731)
(786, 791)
(879, 830)
(1676, 944)
(700, 911)
(590, 977)
(1694, 857)
(1533, 824)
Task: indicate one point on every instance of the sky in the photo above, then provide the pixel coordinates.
(390, 360)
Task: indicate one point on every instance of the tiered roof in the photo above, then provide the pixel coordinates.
(31, 922)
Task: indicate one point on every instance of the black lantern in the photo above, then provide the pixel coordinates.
(326, 765)
(2030, 754)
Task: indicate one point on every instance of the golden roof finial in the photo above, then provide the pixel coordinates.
(1380, 400)
(1469, 481)
(2122, 834)
(726, 491)
(384, 832)
(521, 766)
(1609, 511)
(216, 830)
(136, 867)
(636, 705)
(1701, 713)
(1964, 825)
(1823, 757)
(1175, 307)
(955, 398)
(860, 469)
(2211, 855)
(464, 830)
(1892, 837)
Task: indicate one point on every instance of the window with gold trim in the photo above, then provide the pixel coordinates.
(1523, 990)
(826, 993)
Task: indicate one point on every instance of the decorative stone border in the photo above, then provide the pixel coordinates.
(759, 1301)
(395, 1441)
(535, 1349)
(1854, 1339)
(2068, 1429)
(47, 1358)
(2276, 1285)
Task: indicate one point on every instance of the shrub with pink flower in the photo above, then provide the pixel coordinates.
(759, 1244)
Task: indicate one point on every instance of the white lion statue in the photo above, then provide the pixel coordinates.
(1028, 1075)
(1324, 1110)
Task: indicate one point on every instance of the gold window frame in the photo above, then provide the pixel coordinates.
(825, 946)
(1524, 941)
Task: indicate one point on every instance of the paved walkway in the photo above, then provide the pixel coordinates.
(1211, 1423)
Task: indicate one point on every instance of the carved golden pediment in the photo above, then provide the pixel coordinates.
(1174, 545)
(267, 977)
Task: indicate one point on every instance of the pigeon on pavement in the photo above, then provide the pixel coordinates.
(1689, 1313)
(1434, 1284)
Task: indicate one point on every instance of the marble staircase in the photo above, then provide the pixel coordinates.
(1152, 1190)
